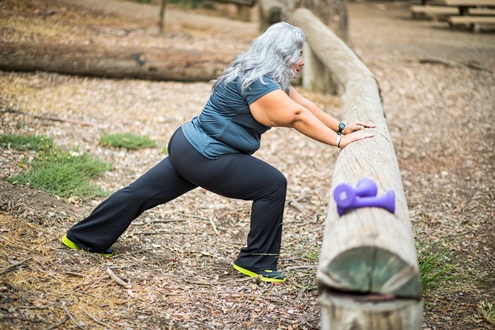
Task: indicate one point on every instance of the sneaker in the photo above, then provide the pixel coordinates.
(266, 275)
(71, 245)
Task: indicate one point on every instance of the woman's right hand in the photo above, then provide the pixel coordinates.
(353, 137)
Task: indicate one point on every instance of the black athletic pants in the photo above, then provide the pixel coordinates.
(239, 176)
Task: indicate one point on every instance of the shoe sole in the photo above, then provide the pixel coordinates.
(261, 277)
(71, 245)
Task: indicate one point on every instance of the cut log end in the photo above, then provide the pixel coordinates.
(342, 311)
(368, 269)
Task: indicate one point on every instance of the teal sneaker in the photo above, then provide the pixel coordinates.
(71, 245)
(266, 275)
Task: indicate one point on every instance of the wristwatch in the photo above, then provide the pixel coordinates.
(341, 128)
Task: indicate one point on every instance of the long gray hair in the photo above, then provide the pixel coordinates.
(271, 54)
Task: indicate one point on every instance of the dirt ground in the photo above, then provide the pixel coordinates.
(438, 86)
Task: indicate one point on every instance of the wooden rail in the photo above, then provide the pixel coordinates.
(368, 273)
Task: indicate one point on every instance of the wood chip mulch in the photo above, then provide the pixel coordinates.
(173, 267)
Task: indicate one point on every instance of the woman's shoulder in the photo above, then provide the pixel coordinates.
(264, 82)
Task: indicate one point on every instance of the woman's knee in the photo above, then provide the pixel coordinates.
(278, 185)
(281, 182)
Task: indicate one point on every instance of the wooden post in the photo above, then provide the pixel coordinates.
(243, 13)
(316, 76)
(270, 13)
(368, 253)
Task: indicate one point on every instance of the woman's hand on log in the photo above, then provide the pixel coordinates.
(356, 126)
(353, 137)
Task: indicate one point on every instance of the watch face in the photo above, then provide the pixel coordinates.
(342, 126)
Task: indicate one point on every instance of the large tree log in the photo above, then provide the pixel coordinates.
(367, 251)
(116, 62)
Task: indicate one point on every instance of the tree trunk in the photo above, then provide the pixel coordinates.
(161, 23)
(117, 62)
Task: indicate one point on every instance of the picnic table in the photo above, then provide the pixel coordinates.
(464, 5)
(473, 13)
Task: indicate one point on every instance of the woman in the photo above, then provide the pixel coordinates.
(214, 149)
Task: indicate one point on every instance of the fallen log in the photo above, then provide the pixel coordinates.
(117, 62)
(367, 253)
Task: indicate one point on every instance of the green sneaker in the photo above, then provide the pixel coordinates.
(71, 245)
(266, 275)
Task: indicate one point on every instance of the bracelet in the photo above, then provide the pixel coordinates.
(339, 137)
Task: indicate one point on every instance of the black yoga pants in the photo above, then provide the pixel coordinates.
(238, 176)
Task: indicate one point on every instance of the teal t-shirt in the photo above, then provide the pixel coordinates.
(226, 125)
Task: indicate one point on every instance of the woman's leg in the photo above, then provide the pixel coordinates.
(242, 176)
(111, 218)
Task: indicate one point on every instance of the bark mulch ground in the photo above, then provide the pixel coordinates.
(173, 267)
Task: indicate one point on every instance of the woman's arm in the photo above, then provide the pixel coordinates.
(326, 118)
(277, 109)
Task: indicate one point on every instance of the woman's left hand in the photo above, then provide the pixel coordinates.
(356, 126)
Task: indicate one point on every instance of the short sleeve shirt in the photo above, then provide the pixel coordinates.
(226, 124)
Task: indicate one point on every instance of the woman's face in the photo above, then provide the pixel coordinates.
(298, 65)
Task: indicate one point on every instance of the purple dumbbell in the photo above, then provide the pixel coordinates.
(386, 201)
(345, 194)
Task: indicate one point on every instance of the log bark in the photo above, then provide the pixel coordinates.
(118, 62)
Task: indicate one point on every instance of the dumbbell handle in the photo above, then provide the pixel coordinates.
(386, 201)
(345, 194)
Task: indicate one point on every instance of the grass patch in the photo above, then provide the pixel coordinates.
(127, 140)
(436, 268)
(57, 172)
(312, 255)
(487, 311)
(26, 142)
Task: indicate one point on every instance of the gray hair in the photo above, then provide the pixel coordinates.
(271, 54)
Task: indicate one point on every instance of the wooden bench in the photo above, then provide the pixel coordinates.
(432, 12)
(481, 11)
(474, 22)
